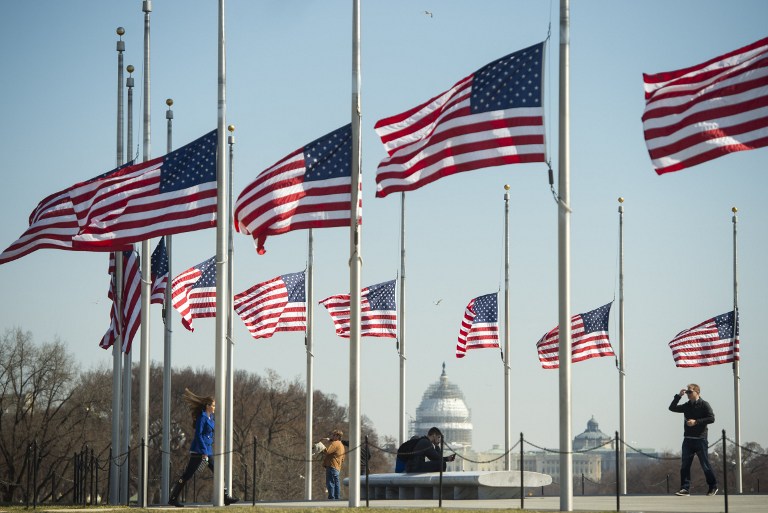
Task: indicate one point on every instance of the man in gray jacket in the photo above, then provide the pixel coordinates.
(697, 414)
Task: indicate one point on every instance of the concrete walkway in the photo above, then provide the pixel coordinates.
(628, 503)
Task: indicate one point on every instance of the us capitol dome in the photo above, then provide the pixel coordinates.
(443, 405)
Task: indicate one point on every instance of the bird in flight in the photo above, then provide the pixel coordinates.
(428, 13)
(438, 302)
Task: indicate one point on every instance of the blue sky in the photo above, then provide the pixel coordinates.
(289, 82)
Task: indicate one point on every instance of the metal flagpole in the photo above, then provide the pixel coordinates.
(401, 325)
(310, 366)
(622, 370)
(736, 378)
(146, 282)
(355, 267)
(165, 473)
(507, 344)
(125, 440)
(222, 271)
(564, 264)
(230, 320)
(117, 378)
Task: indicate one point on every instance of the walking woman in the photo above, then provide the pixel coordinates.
(201, 451)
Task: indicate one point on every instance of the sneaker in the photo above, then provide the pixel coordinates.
(175, 502)
(683, 492)
(712, 491)
(230, 500)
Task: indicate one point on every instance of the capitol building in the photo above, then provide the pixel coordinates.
(443, 405)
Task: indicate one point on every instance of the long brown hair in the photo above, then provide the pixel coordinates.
(196, 403)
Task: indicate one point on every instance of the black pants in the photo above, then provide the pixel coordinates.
(195, 462)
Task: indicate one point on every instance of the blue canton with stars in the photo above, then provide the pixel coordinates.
(330, 156)
(294, 283)
(486, 309)
(510, 82)
(160, 260)
(725, 326)
(190, 165)
(208, 278)
(382, 296)
(597, 319)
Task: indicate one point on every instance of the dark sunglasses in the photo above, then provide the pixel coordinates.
(689, 391)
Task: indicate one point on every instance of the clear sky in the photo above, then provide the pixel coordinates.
(289, 82)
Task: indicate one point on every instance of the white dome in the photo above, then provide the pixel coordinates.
(443, 406)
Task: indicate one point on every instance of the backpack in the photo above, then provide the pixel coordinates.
(405, 452)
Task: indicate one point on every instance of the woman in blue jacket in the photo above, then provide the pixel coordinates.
(201, 450)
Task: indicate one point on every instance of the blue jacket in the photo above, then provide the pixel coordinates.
(202, 443)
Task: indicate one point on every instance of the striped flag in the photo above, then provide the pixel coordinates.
(697, 114)
(52, 224)
(712, 342)
(589, 339)
(172, 194)
(480, 326)
(193, 292)
(492, 117)
(276, 305)
(378, 312)
(159, 273)
(310, 188)
(131, 302)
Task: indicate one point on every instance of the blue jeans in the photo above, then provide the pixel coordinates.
(697, 447)
(332, 483)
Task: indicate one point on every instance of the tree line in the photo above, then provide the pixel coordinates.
(47, 403)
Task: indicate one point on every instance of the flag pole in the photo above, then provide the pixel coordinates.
(165, 473)
(230, 320)
(117, 378)
(310, 368)
(622, 372)
(401, 335)
(507, 369)
(564, 264)
(146, 282)
(355, 264)
(736, 378)
(125, 440)
(222, 271)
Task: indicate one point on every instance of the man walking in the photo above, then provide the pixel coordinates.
(697, 414)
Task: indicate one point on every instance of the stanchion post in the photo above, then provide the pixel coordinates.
(128, 480)
(34, 474)
(522, 473)
(667, 483)
(254, 470)
(725, 474)
(364, 457)
(74, 478)
(440, 482)
(109, 474)
(618, 475)
(582, 483)
(143, 483)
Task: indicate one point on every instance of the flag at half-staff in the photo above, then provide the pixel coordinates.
(493, 117)
(480, 325)
(310, 188)
(378, 311)
(589, 339)
(131, 302)
(175, 193)
(711, 342)
(699, 113)
(193, 292)
(276, 305)
(159, 273)
(52, 225)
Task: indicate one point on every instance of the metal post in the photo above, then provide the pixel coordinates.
(621, 467)
(736, 377)
(165, 472)
(618, 475)
(309, 348)
(128, 474)
(507, 343)
(403, 432)
(109, 476)
(522, 473)
(725, 473)
(230, 340)
(440, 481)
(564, 263)
(365, 463)
(254, 471)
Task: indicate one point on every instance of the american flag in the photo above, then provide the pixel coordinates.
(52, 224)
(589, 339)
(310, 188)
(159, 273)
(697, 114)
(712, 342)
(480, 326)
(172, 194)
(378, 312)
(131, 302)
(492, 117)
(193, 292)
(275, 305)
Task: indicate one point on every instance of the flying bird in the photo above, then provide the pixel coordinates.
(438, 302)
(428, 13)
